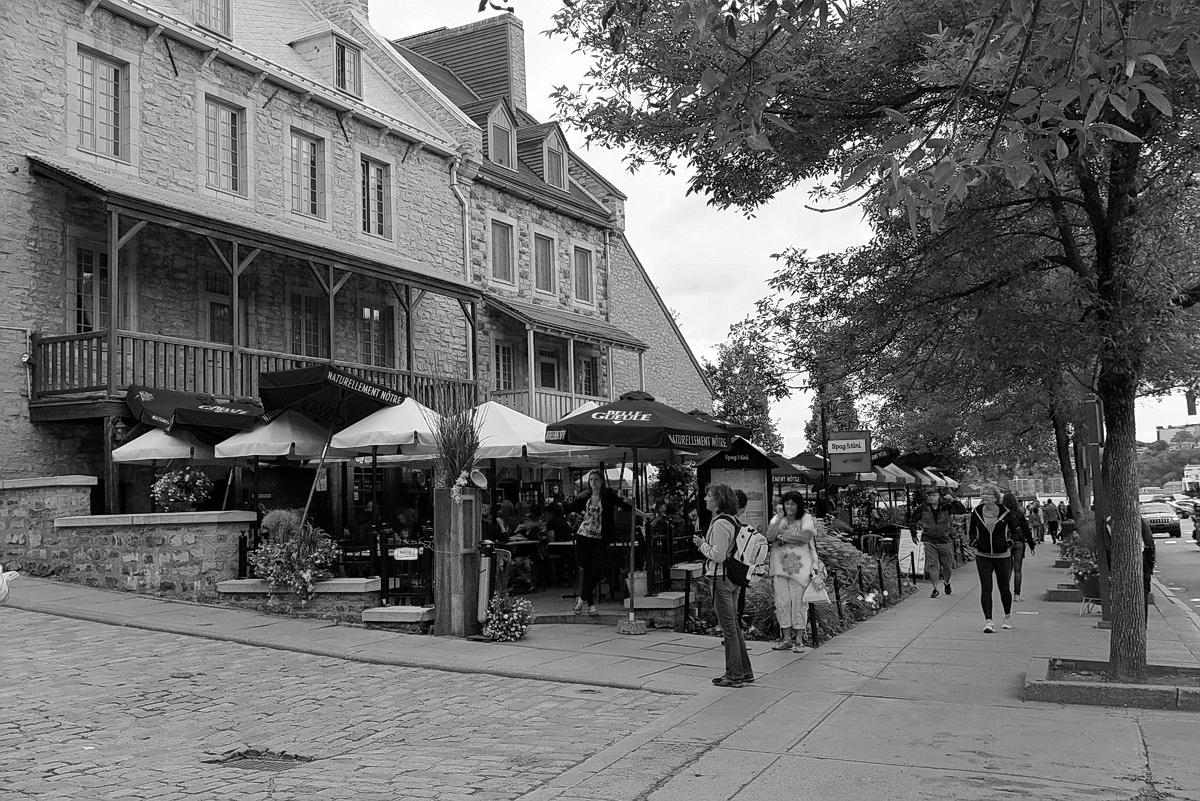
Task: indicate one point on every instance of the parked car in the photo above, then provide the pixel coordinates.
(1162, 517)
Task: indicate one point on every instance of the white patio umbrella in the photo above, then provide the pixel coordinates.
(157, 445)
(406, 424)
(290, 435)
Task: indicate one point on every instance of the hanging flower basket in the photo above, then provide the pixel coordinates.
(181, 490)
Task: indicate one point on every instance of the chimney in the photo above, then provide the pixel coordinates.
(488, 56)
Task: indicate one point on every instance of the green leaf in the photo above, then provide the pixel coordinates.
(1157, 62)
(1157, 99)
(1061, 150)
(1114, 132)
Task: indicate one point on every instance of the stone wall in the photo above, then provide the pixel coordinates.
(341, 599)
(180, 555)
(28, 509)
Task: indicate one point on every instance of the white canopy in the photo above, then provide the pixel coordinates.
(406, 424)
(893, 475)
(157, 445)
(937, 471)
(291, 435)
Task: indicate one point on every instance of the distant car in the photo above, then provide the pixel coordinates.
(1187, 504)
(1162, 517)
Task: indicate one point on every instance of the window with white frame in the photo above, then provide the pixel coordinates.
(215, 16)
(501, 146)
(377, 335)
(308, 175)
(505, 378)
(543, 263)
(376, 198)
(347, 68)
(547, 367)
(309, 325)
(102, 105)
(555, 164)
(583, 276)
(502, 252)
(91, 289)
(225, 146)
(588, 375)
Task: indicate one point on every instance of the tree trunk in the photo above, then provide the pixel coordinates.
(1066, 464)
(1127, 646)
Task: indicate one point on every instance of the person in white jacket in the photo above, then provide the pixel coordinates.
(792, 558)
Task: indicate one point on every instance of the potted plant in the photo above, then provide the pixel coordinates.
(181, 490)
(1086, 571)
(294, 556)
(508, 618)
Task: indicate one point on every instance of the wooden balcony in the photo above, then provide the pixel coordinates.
(548, 406)
(75, 367)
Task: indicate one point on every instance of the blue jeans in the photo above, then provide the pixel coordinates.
(737, 660)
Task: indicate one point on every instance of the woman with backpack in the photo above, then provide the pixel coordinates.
(717, 545)
(793, 553)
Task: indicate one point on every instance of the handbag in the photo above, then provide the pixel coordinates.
(816, 592)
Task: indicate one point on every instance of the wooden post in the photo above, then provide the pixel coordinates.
(456, 536)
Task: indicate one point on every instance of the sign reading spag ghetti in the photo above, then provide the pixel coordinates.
(849, 451)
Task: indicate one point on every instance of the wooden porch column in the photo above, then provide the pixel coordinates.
(571, 372)
(530, 357)
(610, 374)
(114, 304)
(112, 482)
(641, 371)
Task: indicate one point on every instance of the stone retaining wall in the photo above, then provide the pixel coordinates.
(181, 555)
(342, 599)
(28, 509)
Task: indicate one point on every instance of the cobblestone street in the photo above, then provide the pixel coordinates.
(100, 712)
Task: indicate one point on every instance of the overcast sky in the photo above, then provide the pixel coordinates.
(710, 266)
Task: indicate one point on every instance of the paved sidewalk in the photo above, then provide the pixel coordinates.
(915, 703)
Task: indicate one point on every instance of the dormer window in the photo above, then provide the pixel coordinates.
(555, 164)
(214, 15)
(348, 68)
(501, 146)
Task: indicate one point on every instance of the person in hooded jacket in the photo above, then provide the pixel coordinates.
(992, 530)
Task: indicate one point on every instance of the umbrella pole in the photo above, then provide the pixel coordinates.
(375, 485)
(312, 489)
(228, 487)
(633, 537)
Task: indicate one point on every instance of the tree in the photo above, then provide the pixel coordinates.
(1089, 109)
(745, 380)
(833, 409)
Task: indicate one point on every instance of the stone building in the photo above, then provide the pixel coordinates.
(571, 313)
(198, 191)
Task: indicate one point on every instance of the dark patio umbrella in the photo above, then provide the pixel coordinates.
(165, 408)
(331, 397)
(733, 429)
(637, 421)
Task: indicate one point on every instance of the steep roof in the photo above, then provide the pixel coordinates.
(440, 76)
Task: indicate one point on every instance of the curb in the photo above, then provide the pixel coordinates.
(114, 620)
(1039, 687)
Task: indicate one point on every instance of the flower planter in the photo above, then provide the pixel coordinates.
(1089, 587)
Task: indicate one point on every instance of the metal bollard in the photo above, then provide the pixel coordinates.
(882, 587)
(912, 568)
(812, 624)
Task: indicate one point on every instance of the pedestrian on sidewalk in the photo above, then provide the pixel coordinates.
(1050, 513)
(598, 527)
(933, 521)
(717, 545)
(792, 558)
(991, 532)
(1033, 514)
(1026, 539)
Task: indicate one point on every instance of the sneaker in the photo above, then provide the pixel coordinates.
(748, 680)
(782, 645)
(593, 611)
(1007, 624)
(935, 593)
(989, 628)
(797, 648)
(1018, 598)
(947, 588)
(578, 607)
(725, 681)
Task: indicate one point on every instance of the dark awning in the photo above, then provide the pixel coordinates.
(165, 408)
(562, 323)
(325, 394)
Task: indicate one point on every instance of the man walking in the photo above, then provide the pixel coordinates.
(1050, 515)
(934, 523)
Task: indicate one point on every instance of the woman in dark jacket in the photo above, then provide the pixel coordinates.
(598, 507)
(1020, 543)
(992, 532)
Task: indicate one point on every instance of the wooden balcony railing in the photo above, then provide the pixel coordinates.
(77, 364)
(548, 406)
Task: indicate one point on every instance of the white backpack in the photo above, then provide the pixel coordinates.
(4, 579)
(752, 549)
